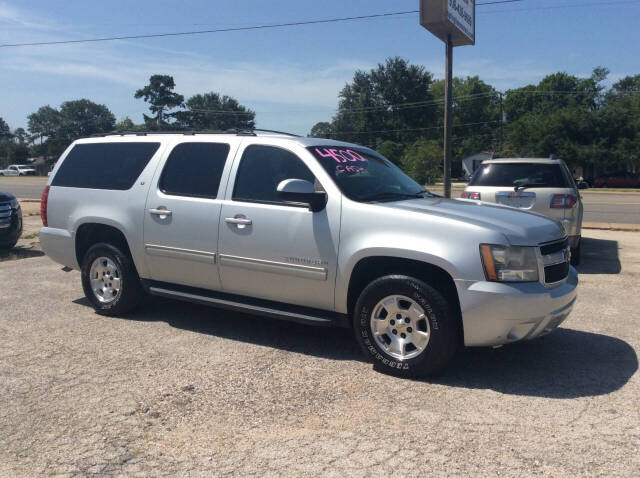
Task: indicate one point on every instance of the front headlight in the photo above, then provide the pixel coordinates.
(509, 263)
(14, 204)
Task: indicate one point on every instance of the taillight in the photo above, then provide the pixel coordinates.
(43, 206)
(470, 195)
(563, 201)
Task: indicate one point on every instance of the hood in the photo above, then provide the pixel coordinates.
(6, 197)
(520, 227)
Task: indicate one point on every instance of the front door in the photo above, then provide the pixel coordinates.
(182, 214)
(271, 249)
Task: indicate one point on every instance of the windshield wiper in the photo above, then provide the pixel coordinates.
(517, 187)
(391, 196)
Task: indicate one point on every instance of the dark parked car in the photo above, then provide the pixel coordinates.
(10, 220)
(617, 180)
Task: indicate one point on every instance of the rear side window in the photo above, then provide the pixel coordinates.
(262, 168)
(520, 174)
(104, 165)
(194, 169)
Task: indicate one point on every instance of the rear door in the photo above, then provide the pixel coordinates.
(182, 213)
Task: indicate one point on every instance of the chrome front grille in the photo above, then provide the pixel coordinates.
(5, 211)
(555, 257)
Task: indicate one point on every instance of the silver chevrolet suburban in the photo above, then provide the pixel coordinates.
(304, 229)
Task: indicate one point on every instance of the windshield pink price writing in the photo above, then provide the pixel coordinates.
(340, 155)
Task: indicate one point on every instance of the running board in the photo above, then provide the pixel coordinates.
(276, 310)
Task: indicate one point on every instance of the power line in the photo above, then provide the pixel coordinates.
(343, 133)
(232, 29)
(409, 105)
(566, 5)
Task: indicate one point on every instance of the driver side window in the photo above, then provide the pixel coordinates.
(260, 171)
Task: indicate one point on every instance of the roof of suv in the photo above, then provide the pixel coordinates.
(522, 160)
(302, 140)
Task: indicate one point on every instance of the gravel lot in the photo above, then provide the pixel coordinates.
(179, 389)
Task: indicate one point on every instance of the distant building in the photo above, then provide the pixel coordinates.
(471, 163)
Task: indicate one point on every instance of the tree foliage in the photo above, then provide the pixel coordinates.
(398, 108)
(161, 98)
(212, 111)
(53, 130)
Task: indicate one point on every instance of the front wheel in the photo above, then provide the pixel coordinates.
(110, 280)
(405, 326)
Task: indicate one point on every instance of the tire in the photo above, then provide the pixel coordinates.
(122, 272)
(438, 322)
(575, 255)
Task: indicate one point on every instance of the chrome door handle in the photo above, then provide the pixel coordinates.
(160, 212)
(238, 220)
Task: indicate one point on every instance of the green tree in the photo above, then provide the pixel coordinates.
(422, 161)
(620, 125)
(392, 150)
(161, 98)
(82, 118)
(5, 136)
(20, 135)
(391, 102)
(323, 129)
(5, 131)
(128, 125)
(44, 123)
(53, 130)
(212, 111)
(476, 118)
(561, 115)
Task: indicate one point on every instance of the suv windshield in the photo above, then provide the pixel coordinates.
(533, 175)
(364, 177)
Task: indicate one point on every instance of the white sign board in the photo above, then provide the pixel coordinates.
(450, 17)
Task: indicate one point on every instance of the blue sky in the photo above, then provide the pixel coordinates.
(290, 76)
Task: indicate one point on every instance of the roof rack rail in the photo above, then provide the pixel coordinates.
(274, 131)
(237, 131)
(145, 133)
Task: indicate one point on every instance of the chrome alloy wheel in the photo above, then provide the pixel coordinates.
(105, 280)
(400, 327)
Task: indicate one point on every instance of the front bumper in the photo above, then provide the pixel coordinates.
(495, 313)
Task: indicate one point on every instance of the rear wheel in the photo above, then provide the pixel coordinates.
(110, 280)
(405, 327)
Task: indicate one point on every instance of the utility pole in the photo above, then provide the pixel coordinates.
(448, 100)
(501, 121)
(453, 22)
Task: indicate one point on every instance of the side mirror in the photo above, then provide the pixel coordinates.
(301, 191)
(583, 185)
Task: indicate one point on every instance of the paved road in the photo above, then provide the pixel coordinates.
(599, 207)
(180, 389)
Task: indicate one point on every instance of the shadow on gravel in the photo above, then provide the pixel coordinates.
(599, 256)
(19, 253)
(565, 364)
(326, 342)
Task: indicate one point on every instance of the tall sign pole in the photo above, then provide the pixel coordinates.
(448, 100)
(453, 22)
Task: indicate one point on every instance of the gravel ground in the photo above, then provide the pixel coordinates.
(180, 389)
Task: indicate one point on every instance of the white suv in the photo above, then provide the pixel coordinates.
(539, 185)
(304, 229)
